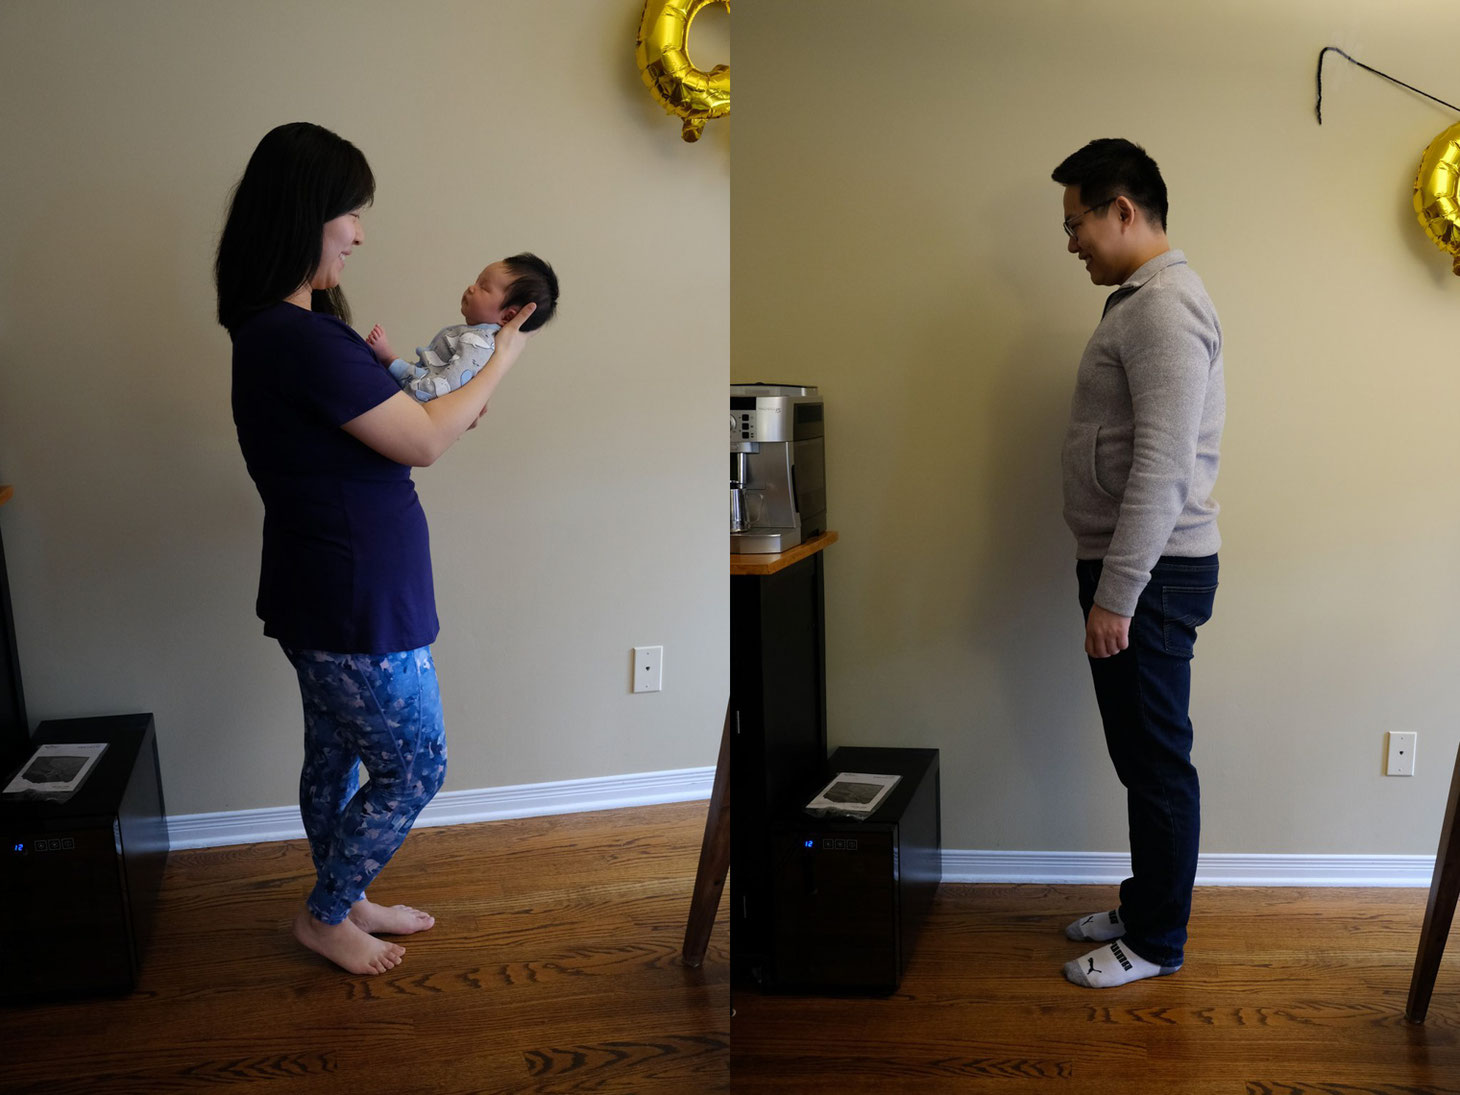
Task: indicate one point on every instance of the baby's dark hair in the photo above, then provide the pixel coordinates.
(532, 280)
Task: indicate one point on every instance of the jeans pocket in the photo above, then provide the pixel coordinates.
(1184, 609)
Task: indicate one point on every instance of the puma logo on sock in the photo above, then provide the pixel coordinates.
(1085, 972)
(1101, 927)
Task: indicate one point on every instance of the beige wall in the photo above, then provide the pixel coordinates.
(896, 242)
(587, 515)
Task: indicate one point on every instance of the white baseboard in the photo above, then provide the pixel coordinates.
(570, 796)
(690, 784)
(1214, 869)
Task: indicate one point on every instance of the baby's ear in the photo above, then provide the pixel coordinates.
(508, 314)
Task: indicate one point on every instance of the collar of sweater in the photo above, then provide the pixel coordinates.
(1151, 267)
(1144, 273)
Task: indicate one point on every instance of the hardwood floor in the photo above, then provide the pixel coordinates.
(553, 967)
(1285, 992)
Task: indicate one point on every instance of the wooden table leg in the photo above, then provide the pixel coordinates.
(1440, 911)
(714, 859)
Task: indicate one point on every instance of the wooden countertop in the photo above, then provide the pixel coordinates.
(769, 563)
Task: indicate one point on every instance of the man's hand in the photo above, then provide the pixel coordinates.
(1106, 633)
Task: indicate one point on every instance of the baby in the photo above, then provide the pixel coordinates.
(458, 353)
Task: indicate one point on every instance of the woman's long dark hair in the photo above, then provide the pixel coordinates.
(300, 176)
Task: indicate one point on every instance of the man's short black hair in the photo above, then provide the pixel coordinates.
(532, 280)
(1112, 166)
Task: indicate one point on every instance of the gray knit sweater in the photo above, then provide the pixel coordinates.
(1140, 457)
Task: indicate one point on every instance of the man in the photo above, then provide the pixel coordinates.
(1140, 459)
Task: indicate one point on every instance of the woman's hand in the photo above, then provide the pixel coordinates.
(414, 433)
(511, 339)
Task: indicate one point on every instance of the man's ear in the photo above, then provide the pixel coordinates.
(1126, 210)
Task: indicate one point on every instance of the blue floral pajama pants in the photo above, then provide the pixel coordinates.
(382, 711)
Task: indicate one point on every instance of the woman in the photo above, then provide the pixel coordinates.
(345, 583)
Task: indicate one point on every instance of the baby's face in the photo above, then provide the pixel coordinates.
(482, 301)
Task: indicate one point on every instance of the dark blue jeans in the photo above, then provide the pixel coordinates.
(1144, 693)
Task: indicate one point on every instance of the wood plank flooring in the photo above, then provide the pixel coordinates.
(553, 967)
(1284, 992)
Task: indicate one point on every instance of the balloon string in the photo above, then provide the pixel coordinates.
(1318, 107)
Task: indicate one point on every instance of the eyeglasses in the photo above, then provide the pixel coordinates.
(1070, 222)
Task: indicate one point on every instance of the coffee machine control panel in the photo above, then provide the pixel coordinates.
(760, 420)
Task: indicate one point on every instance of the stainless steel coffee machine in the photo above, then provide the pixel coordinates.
(777, 467)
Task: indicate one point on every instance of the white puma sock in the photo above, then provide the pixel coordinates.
(1097, 927)
(1112, 965)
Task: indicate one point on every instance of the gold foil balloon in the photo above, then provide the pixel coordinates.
(1435, 199)
(663, 56)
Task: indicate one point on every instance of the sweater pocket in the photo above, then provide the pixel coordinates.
(1090, 508)
(1097, 461)
(1111, 460)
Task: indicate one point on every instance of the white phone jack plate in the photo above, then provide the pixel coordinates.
(648, 669)
(1400, 753)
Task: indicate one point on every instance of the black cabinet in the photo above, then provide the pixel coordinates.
(81, 876)
(778, 727)
(851, 895)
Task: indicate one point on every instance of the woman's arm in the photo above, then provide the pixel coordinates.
(414, 433)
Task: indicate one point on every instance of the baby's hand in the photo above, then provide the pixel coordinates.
(380, 345)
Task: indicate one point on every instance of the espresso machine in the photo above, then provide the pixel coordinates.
(777, 467)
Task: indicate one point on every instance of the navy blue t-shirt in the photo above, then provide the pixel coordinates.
(347, 558)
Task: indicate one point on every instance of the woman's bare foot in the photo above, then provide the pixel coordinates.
(391, 920)
(346, 945)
